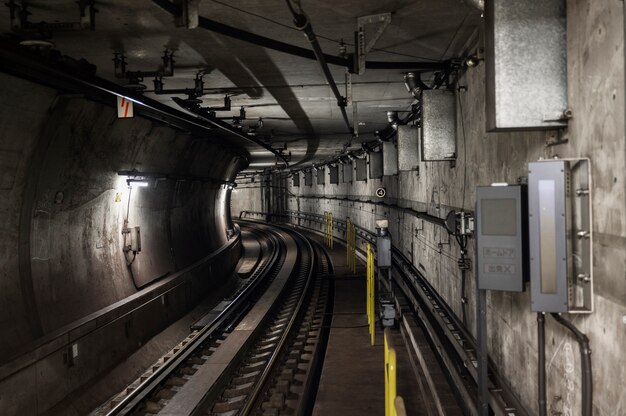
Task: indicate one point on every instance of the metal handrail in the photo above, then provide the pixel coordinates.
(371, 288)
(391, 368)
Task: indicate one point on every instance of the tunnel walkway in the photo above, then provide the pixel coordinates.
(352, 380)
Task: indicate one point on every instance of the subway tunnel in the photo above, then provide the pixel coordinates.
(407, 207)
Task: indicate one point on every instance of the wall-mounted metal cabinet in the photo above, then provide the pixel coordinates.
(376, 165)
(347, 172)
(333, 175)
(308, 178)
(408, 148)
(438, 125)
(526, 64)
(360, 169)
(501, 237)
(321, 172)
(561, 236)
(390, 158)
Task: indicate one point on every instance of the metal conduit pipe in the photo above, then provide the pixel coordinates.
(303, 23)
(276, 45)
(541, 372)
(585, 363)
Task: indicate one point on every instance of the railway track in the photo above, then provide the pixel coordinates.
(280, 373)
(258, 351)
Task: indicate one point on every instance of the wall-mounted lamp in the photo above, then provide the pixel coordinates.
(141, 183)
(472, 61)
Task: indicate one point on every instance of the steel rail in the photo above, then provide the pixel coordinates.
(134, 398)
(279, 350)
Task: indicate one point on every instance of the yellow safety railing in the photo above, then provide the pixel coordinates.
(371, 301)
(351, 245)
(328, 228)
(394, 405)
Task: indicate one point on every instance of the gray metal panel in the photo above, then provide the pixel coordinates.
(296, 179)
(383, 251)
(308, 178)
(526, 58)
(438, 125)
(390, 159)
(347, 171)
(408, 148)
(501, 238)
(333, 173)
(548, 231)
(360, 169)
(321, 172)
(376, 165)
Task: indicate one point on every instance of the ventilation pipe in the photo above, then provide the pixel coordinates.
(303, 23)
(541, 373)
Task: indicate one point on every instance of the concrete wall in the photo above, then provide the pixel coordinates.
(596, 96)
(63, 207)
(246, 197)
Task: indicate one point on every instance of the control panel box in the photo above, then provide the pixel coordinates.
(502, 237)
(561, 235)
(383, 244)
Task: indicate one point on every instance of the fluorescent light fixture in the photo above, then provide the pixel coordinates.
(499, 184)
(141, 183)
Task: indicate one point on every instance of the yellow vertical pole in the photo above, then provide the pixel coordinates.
(370, 304)
(330, 231)
(348, 242)
(386, 353)
(353, 252)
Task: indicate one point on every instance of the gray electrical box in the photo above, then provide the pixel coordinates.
(501, 237)
(376, 165)
(296, 179)
(346, 172)
(320, 176)
(360, 169)
(438, 125)
(560, 235)
(390, 159)
(408, 148)
(383, 245)
(526, 64)
(308, 178)
(333, 173)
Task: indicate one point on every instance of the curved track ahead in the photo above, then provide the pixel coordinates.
(259, 351)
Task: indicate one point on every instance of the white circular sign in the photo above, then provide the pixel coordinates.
(381, 192)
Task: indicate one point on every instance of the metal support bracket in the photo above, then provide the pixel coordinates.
(361, 47)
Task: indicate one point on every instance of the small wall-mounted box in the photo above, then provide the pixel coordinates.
(501, 237)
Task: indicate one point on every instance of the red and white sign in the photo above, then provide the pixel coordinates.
(124, 107)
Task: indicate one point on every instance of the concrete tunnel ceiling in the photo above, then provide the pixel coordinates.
(288, 93)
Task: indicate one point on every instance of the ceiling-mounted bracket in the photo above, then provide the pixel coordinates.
(361, 45)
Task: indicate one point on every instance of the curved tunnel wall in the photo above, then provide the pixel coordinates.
(63, 207)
